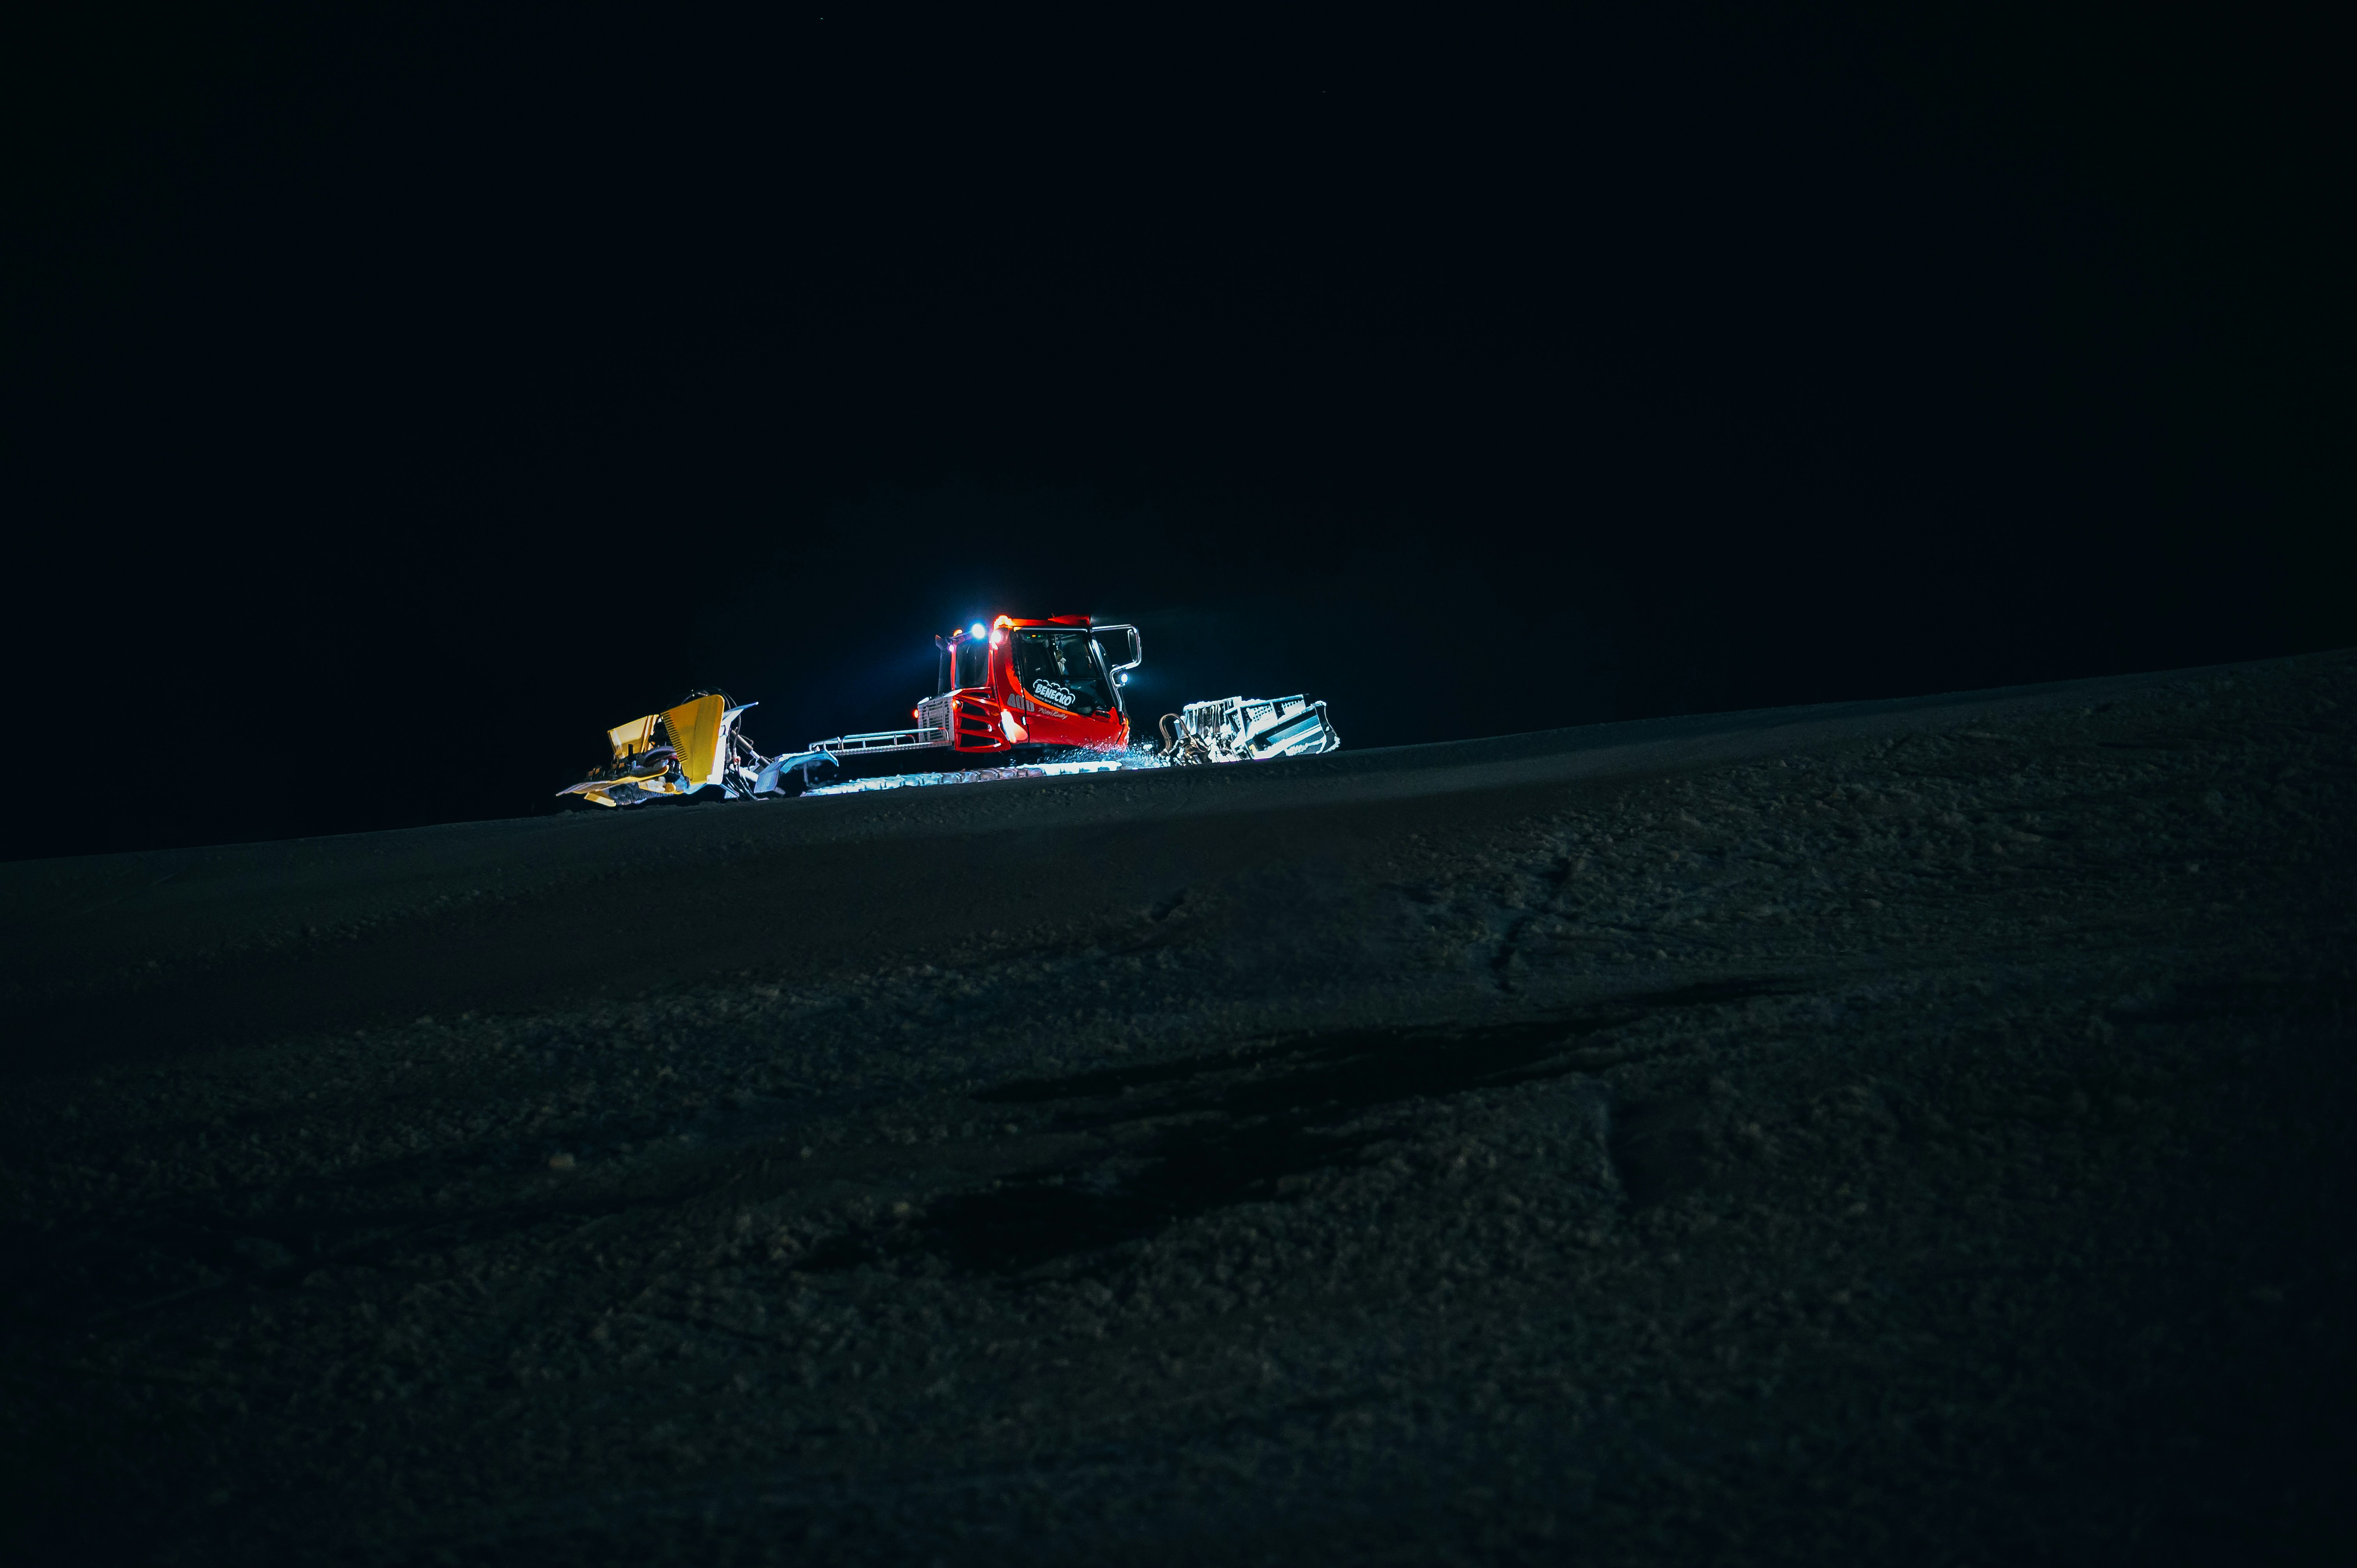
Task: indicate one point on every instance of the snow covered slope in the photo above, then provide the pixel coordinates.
(1880, 1132)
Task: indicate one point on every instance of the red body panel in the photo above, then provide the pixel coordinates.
(981, 713)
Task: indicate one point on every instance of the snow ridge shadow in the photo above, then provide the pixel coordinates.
(1249, 1124)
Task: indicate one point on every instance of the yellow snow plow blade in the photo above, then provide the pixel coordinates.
(675, 751)
(693, 747)
(694, 729)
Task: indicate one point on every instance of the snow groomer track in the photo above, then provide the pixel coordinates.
(1886, 1132)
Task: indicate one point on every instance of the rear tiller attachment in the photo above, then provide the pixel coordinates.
(1247, 729)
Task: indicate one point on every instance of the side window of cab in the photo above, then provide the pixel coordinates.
(972, 663)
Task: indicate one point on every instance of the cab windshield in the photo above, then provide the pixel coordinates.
(1063, 667)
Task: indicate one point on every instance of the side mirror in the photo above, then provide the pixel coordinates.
(1136, 649)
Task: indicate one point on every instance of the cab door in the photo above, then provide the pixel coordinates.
(977, 714)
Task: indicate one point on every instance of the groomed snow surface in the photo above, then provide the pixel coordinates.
(1891, 1132)
(1128, 761)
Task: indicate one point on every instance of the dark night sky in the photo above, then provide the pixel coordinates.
(391, 403)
